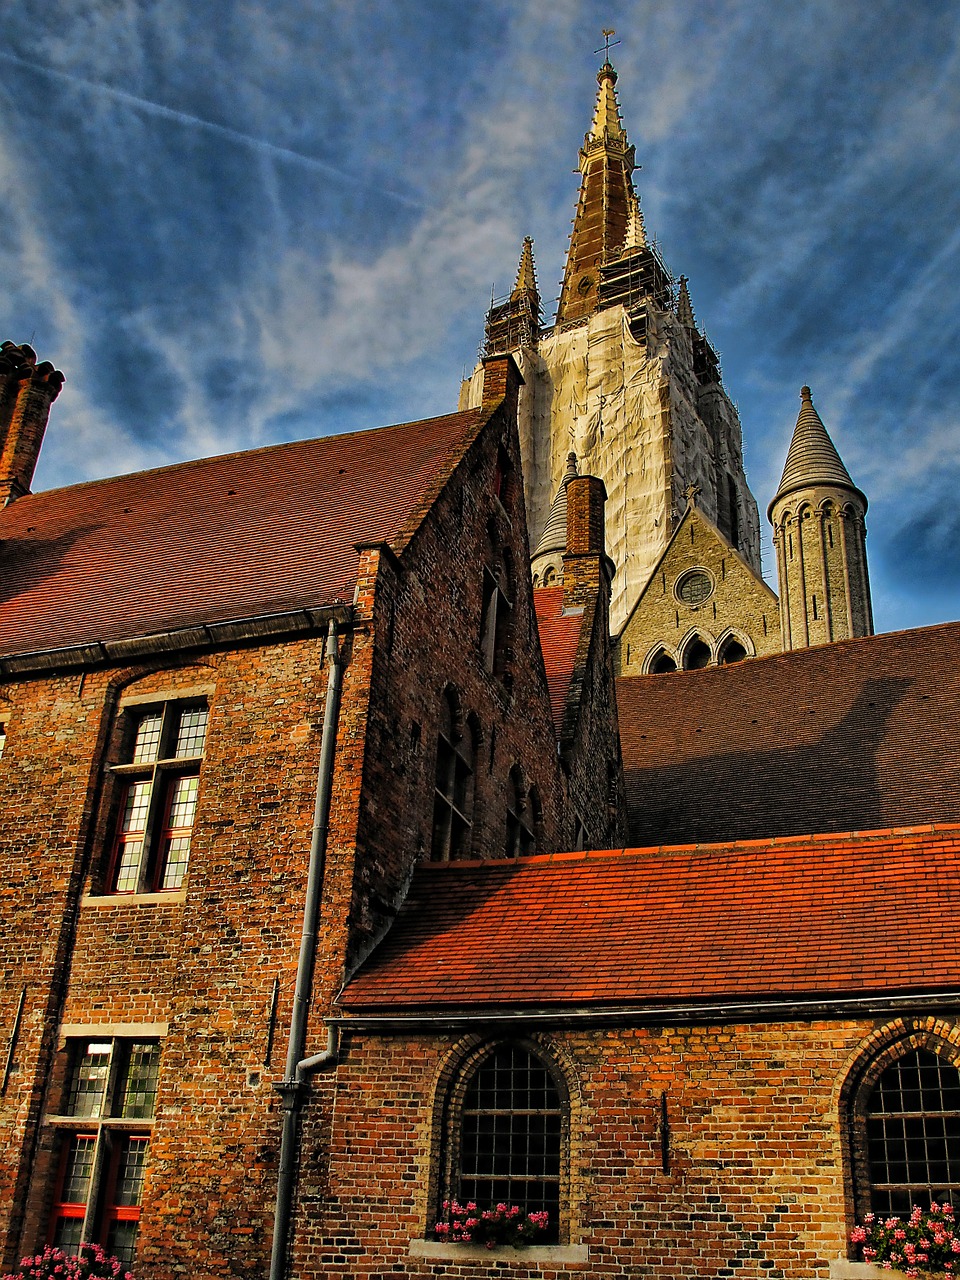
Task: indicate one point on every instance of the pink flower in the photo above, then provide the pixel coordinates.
(858, 1235)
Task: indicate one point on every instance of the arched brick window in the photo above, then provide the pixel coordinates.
(910, 1137)
(506, 1133)
(496, 619)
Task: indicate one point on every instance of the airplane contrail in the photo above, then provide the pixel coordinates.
(221, 130)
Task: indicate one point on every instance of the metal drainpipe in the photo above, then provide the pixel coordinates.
(293, 1086)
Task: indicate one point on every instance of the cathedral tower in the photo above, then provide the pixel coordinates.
(820, 538)
(623, 378)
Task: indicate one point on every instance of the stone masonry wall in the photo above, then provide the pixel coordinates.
(740, 605)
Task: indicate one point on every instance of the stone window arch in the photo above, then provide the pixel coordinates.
(660, 662)
(697, 653)
(734, 646)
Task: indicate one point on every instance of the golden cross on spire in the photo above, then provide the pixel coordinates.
(607, 32)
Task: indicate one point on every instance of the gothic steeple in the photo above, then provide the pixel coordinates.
(606, 206)
(526, 285)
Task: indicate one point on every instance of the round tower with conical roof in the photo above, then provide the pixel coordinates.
(820, 539)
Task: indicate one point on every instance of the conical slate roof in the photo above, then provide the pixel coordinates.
(812, 458)
(554, 536)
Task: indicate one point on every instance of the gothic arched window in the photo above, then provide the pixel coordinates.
(696, 655)
(662, 664)
(453, 791)
(506, 1134)
(732, 651)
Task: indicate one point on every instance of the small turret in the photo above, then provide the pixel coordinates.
(515, 322)
(820, 539)
(546, 560)
(685, 306)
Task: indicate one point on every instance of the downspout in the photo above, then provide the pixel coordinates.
(293, 1086)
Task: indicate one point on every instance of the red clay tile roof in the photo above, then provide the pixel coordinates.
(251, 533)
(844, 737)
(559, 636)
(837, 915)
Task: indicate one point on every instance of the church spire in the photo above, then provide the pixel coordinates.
(607, 202)
(526, 284)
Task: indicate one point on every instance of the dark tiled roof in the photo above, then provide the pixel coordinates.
(232, 537)
(828, 915)
(844, 737)
(559, 637)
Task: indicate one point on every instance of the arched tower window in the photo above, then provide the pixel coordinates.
(453, 791)
(912, 1121)
(505, 1136)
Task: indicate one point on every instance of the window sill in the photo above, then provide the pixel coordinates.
(176, 898)
(529, 1255)
(841, 1269)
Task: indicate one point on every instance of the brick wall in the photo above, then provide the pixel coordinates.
(756, 1179)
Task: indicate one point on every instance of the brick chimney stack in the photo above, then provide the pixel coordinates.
(587, 569)
(27, 390)
(502, 380)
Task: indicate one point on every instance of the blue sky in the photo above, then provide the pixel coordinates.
(237, 223)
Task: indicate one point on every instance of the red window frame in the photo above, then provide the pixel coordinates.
(170, 833)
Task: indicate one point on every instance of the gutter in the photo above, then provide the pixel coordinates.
(680, 1014)
(293, 1087)
(204, 635)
